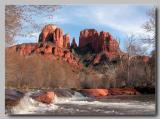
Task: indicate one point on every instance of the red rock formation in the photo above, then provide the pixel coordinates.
(23, 49)
(58, 37)
(66, 41)
(74, 44)
(55, 35)
(44, 97)
(101, 43)
(58, 48)
(105, 56)
(47, 33)
(113, 46)
(87, 36)
(57, 52)
(98, 42)
(48, 50)
(94, 92)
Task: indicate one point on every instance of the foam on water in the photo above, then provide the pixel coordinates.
(114, 104)
(29, 106)
(76, 97)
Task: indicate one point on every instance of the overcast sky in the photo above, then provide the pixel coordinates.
(119, 20)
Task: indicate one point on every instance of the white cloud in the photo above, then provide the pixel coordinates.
(124, 18)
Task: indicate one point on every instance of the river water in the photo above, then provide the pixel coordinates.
(80, 105)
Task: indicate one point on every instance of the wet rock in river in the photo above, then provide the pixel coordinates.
(46, 97)
(94, 92)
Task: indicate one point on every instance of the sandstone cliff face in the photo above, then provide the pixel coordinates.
(87, 36)
(66, 41)
(58, 37)
(102, 43)
(47, 33)
(55, 35)
(98, 42)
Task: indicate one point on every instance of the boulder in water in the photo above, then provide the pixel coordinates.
(123, 91)
(44, 97)
(94, 92)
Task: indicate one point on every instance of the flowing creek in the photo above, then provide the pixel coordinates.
(77, 104)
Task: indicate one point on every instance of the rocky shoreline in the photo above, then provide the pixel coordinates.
(13, 96)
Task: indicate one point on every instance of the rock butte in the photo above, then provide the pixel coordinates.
(53, 44)
(104, 45)
(97, 41)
